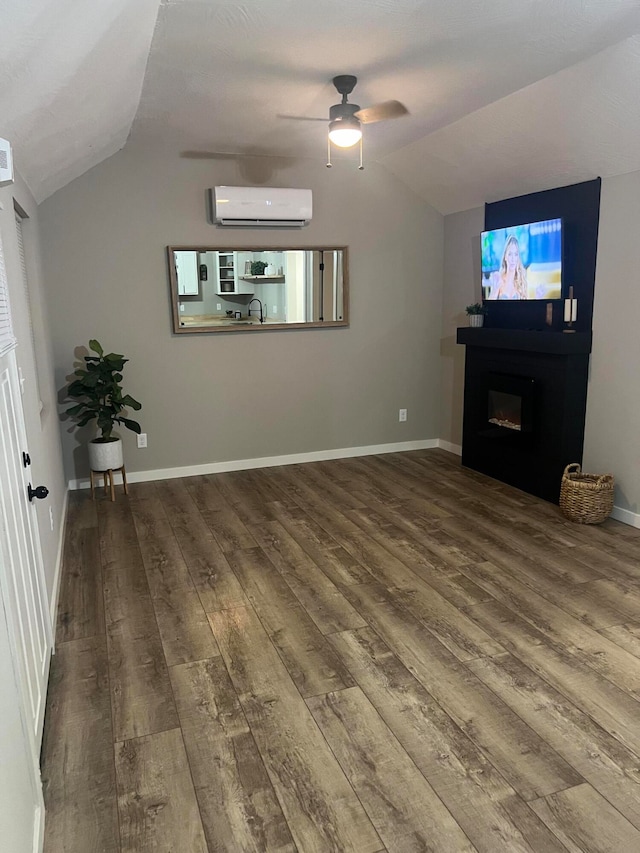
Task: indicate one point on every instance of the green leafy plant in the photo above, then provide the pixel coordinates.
(476, 308)
(99, 393)
(258, 267)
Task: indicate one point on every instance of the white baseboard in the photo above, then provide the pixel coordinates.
(57, 577)
(623, 515)
(268, 461)
(452, 448)
(626, 516)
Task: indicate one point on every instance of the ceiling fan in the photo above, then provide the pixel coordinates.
(345, 119)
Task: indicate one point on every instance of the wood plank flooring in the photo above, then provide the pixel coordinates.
(387, 653)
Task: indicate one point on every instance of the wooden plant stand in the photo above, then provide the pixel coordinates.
(108, 479)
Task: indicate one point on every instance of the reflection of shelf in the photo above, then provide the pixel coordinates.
(262, 277)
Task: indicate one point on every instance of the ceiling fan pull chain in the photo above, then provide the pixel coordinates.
(328, 153)
(360, 167)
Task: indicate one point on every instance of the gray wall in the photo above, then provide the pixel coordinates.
(461, 288)
(209, 398)
(612, 438)
(43, 426)
(613, 404)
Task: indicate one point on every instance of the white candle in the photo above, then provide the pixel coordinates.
(570, 307)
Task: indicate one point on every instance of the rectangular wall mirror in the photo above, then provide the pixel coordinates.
(226, 289)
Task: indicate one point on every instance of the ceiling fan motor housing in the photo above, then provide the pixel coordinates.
(339, 112)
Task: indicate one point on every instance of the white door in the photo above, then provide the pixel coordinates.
(21, 806)
(25, 629)
(21, 570)
(22, 574)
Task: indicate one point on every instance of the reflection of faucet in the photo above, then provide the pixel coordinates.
(255, 299)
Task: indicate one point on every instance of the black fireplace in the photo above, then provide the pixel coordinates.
(524, 405)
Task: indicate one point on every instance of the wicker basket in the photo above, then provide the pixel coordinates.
(586, 498)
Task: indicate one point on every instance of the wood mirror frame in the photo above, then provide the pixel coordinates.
(222, 289)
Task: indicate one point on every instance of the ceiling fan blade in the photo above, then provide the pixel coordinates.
(302, 118)
(382, 112)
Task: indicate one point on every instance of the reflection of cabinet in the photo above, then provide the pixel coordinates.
(227, 275)
(187, 273)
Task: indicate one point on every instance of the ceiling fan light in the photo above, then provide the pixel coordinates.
(345, 132)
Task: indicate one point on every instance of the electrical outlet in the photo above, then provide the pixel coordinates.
(142, 439)
(402, 415)
(51, 516)
(275, 309)
(219, 306)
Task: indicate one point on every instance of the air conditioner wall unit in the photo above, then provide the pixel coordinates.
(261, 207)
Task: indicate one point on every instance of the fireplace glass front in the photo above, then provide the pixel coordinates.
(505, 410)
(509, 405)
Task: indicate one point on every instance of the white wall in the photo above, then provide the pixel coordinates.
(209, 398)
(612, 437)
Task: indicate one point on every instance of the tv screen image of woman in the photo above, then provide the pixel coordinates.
(523, 261)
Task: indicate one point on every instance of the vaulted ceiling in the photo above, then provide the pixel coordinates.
(504, 97)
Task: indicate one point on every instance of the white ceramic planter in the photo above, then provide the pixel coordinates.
(105, 456)
(476, 320)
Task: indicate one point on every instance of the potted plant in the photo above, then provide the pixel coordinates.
(476, 314)
(258, 267)
(99, 396)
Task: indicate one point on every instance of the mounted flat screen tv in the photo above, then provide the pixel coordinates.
(523, 261)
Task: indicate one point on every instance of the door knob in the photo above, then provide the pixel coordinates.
(39, 492)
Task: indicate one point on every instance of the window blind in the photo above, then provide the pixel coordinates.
(7, 338)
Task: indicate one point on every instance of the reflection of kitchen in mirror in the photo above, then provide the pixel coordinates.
(226, 289)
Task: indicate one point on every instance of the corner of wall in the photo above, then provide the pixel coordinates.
(57, 574)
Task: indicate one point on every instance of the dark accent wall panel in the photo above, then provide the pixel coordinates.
(578, 206)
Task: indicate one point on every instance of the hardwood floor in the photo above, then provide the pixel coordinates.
(385, 653)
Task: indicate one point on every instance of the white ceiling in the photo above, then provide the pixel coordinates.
(71, 74)
(505, 96)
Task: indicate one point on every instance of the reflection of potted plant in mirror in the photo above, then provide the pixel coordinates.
(258, 267)
(476, 314)
(99, 396)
